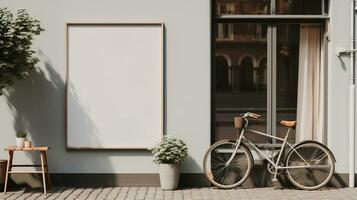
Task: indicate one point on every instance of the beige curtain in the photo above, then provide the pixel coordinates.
(310, 106)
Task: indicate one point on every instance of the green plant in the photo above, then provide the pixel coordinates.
(169, 151)
(21, 134)
(16, 35)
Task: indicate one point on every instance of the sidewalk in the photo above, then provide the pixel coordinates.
(154, 193)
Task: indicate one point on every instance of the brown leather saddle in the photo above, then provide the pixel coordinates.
(290, 124)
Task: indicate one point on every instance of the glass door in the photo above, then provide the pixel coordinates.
(240, 76)
(287, 55)
(256, 69)
(256, 48)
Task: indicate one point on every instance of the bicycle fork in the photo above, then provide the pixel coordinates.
(236, 148)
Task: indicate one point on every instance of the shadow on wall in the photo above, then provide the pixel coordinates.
(192, 179)
(38, 107)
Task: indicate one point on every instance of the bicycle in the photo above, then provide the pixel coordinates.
(309, 165)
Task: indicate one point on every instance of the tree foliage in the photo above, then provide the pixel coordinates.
(16, 36)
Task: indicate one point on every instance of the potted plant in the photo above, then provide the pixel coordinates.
(169, 154)
(20, 138)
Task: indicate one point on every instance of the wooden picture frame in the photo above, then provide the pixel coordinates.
(72, 45)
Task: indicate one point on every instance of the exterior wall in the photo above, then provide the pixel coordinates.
(38, 103)
(338, 80)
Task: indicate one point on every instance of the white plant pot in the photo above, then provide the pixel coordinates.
(169, 176)
(20, 142)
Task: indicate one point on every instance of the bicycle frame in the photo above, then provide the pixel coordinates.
(271, 161)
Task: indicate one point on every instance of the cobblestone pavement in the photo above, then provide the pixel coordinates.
(154, 193)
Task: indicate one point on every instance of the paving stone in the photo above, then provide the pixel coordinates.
(75, 194)
(113, 193)
(65, 193)
(154, 193)
(15, 195)
(94, 194)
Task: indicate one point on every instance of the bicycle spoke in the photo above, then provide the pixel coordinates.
(317, 155)
(219, 172)
(218, 159)
(298, 175)
(319, 166)
(225, 174)
(321, 158)
(238, 171)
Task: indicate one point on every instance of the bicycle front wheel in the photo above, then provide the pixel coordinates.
(227, 175)
(318, 158)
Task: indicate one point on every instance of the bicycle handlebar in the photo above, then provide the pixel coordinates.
(251, 115)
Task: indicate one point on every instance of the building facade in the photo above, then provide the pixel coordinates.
(222, 58)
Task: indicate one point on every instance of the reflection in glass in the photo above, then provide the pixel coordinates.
(242, 7)
(246, 78)
(288, 39)
(222, 74)
(262, 74)
(240, 78)
(297, 7)
(262, 7)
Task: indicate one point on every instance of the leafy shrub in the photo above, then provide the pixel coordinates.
(16, 35)
(169, 151)
(21, 134)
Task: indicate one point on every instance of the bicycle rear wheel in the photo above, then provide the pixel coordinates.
(321, 168)
(224, 175)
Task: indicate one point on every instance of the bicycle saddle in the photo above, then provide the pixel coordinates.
(290, 124)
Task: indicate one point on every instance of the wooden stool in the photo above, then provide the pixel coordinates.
(44, 165)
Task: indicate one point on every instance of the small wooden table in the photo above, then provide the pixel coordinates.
(44, 166)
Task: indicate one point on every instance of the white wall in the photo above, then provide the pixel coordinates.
(38, 103)
(338, 83)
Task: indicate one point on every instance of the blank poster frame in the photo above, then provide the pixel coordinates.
(67, 81)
